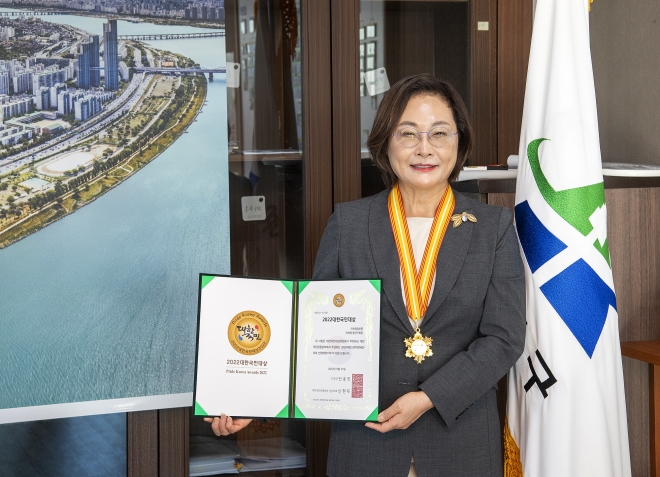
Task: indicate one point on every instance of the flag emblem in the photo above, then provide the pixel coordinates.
(577, 293)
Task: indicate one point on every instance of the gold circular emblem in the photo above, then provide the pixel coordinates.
(249, 332)
(339, 300)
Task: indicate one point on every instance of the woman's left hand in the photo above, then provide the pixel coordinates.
(402, 413)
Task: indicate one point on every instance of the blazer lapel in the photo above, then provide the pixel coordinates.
(386, 257)
(451, 257)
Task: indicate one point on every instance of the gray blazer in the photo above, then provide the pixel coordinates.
(476, 318)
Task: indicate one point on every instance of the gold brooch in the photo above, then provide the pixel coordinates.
(458, 219)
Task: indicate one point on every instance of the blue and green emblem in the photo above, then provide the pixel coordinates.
(577, 293)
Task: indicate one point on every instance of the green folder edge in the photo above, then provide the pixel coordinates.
(199, 410)
(288, 285)
(373, 417)
(302, 284)
(206, 279)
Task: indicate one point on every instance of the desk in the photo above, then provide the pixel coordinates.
(649, 352)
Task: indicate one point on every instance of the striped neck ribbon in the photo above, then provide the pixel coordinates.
(417, 283)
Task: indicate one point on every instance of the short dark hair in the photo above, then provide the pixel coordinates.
(391, 109)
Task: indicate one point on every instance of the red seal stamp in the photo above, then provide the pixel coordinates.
(357, 386)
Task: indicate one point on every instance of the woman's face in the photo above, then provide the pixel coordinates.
(424, 167)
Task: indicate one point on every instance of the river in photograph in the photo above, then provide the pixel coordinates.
(102, 304)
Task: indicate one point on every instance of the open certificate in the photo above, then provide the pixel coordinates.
(288, 349)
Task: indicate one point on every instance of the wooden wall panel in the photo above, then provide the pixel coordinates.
(407, 26)
(142, 444)
(624, 50)
(514, 37)
(318, 440)
(502, 200)
(158, 443)
(317, 125)
(452, 35)
(483, 89)
(173, 446)
(346, 101)
(636, 382)
(634, 228)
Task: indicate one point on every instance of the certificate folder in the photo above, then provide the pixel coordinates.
(297, 349)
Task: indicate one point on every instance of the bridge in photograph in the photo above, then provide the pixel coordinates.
(181, 71)
(171, 36)
(32, 13)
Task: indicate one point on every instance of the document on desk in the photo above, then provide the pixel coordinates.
(288, 348)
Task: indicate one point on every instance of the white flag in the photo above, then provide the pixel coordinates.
(566, 413)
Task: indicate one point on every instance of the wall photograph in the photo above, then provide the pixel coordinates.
(113, 198)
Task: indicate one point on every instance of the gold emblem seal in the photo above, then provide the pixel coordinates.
(249, 332)
(339, 300)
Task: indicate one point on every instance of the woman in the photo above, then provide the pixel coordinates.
(440, 416)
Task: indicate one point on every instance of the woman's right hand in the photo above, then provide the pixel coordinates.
(225, 425)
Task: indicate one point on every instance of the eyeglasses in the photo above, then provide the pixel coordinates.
(438, 137)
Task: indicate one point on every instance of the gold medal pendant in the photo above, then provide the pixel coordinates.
(417, 282)
(418, 347)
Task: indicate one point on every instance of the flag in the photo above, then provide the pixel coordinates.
(566, 413)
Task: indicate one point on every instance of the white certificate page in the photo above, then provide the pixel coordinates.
(338, 350)
(244, 343)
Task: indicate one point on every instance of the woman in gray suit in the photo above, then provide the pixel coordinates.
(452, 311)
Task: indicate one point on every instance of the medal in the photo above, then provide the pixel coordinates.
(417, 283)
(418, 347)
